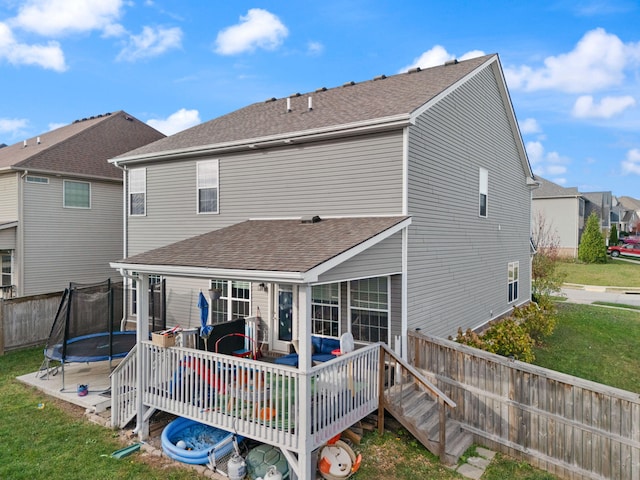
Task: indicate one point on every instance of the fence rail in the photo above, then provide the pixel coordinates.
(571, 427)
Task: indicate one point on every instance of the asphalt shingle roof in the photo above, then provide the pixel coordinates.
(359, 102)
(269, 245)
(82, 147)
(549, 189)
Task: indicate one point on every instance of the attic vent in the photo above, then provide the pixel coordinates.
(272, 99)
(414, 70)
(450, 62)
(295, 94)
(321, 89)
(380, 77)
(314, 219)
(348, 84)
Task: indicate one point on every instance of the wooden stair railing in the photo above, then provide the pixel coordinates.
(396, 378)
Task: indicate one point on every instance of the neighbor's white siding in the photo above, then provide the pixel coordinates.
(63, 245)
(563, 220)
(458, 260)
(9, 197)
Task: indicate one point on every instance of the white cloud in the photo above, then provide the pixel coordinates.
(632, 163)
(49, 56)
(598, 61)
(529, 126)
(12, 125)
(438, 55)
(315, 48)
(547, 165)
(258, 29)
(150, 43)
(176, 122)
(607, 108)
(53, 18)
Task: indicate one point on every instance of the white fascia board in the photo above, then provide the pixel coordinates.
(354, 128)
(10, 224)
(312, 275)
(204, 272)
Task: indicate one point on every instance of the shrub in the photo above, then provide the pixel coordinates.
(538, 320)
(613, 235)
(592, 248)
(509, 339)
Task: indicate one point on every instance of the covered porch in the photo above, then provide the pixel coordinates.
(294, 409)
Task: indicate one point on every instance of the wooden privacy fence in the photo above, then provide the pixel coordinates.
(565, 425)
(26, 321)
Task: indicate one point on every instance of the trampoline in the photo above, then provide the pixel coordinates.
(96, 347)
(87, 327)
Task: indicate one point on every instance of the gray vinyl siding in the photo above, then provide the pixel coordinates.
(8, 197)
(382, 259)
(70, 244)
(562, 217)
(356, 176)
(457, 261)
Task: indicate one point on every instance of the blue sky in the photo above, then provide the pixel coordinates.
(572, 68)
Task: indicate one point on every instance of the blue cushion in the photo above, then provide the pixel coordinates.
(291, 360)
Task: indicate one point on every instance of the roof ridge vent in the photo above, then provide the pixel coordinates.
(321, 89)
(348, 84)
(380, 77)
(272, 99)
(414, 70)
(450, 62)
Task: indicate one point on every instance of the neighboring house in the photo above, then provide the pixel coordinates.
(601, 203)
(561, 211)
(333, 211)
(631, 218)
(61, 203)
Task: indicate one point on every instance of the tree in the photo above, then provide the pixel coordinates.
(592, 248)
(613, 235)
(546, 281)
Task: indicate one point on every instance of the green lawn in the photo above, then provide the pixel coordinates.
(614, 273)
(596, 343)
(44, 438)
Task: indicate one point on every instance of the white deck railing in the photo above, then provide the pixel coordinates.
(255, 399)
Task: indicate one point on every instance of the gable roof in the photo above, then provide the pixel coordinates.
(629, 203)
(548, 189)
(255, 247)
(81, 148)
(383, 100)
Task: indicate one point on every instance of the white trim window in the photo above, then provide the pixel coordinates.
(230, 300)
(138, 191)
(76, 194)
(369, 309)
(483, 191)
(325, 309)
(207, 182)
(6, 262)
(37, 180)
(513, 281)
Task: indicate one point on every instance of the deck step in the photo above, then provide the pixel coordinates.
(419, 414)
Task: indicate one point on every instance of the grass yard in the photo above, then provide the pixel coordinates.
(614, 273)
(595, 343)
(47, 438)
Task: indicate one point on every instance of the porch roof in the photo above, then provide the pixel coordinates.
(293, 250)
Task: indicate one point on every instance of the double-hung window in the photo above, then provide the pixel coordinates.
(76, 194)
(138, 191)
(5, 273)
(484, 191)
(325, 309)
(369, 309)
(207, 182)
(153, 279)
(230, 300)
(513, 280)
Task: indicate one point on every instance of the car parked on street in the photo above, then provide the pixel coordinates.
(626, 250)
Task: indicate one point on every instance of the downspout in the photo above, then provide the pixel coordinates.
(125, 243)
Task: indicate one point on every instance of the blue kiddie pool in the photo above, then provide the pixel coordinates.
(188, 441)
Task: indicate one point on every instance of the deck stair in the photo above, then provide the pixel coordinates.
(420, 407)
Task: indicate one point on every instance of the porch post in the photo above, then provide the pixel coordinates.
(142, 333)
(304, 366)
